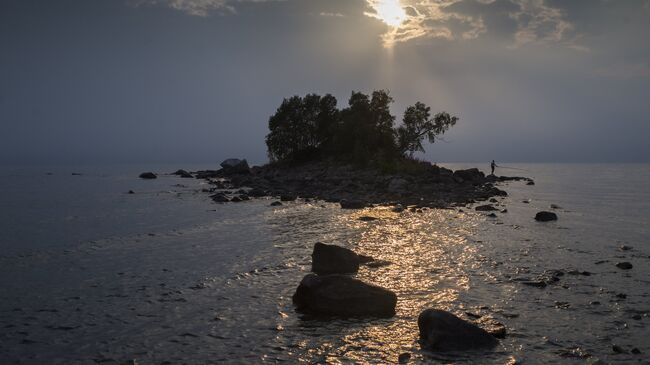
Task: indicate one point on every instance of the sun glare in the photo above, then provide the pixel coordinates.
(390, 12)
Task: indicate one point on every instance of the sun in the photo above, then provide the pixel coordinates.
(390, 12)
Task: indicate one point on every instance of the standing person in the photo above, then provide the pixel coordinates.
(493, 165)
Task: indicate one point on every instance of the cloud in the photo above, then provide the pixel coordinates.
(201, 8)
(516, 21)
(336, 15)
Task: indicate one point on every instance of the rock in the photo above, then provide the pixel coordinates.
(288, 198)
(624, 265)
(618, 349)
(397, 209)
(352, 204)
(545, 217)
(625, 248)
(493, 327)
(635, 351)
(276, 204)
(148, 175)
(492, 200)
(235, 166)
(530, 182)
(236, 199)
(492, 215)
(183, 173)
(397, 185)
(473, 175)
(443, 331)
(535, 283)
(257, 193)
(485, 208)
(220, 198)
(555, 206)
(332, 259)
(504, 211)
(341, 295)
(403, 358)
(366, 218)
(131, 192)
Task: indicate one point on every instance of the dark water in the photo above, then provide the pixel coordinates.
(90, 274)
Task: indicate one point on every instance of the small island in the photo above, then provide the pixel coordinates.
(354, 156)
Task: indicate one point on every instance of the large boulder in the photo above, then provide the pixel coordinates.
(332, 259)
(341, 295)
(397, 185)
(235, 166)
(473, 175)
(148, 175)
(443, 331)
(183, 173)
(545, 216)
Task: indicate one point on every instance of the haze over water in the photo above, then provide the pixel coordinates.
(168, 275)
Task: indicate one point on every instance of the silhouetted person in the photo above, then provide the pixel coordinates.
(493, 165)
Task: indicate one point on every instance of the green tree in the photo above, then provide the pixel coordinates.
(300, 126)
(417, 124)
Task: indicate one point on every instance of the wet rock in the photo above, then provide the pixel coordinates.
(332, 259)
(220, 198)
(493, 327)
(625, 248)
(576, 272)
(352, 204)
(397, 209)
(377, 263)
(235, 166)
(131, 192)
(236, 199)
(485, 208)
(554, 206)
(492, 215)
(535, 283)
(288, 197)
(443, 331)
(635, 351)
(530, 182)
(276, 204)
(545, 216)
(504, 211)
(341, 295)
(618, 349)
(148, 175)
(366, 218)
(624, 265)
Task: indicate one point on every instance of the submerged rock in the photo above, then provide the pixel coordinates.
(443, 331)
(545, 216)
(485, 208)
(220, 198)
(624, 265)
(341, 295)
(332, 259)
(276, 204)
(148, 175)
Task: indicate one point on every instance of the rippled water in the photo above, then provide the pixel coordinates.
(90, 274)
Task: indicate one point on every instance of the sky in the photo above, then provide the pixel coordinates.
(195, 81)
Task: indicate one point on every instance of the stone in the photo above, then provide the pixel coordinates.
(397, 185)
(342, 295)
(288, 198)
(148, 175)
(235, 165)
(257, 193)
(332, 259)
(443, 331)
(366, 218)
(183, 174)
(624, 265)
(545, 217)
(352, 204)
(485, 208)
(403, 358)
(472, 175)
(276, 204)
(220, 198)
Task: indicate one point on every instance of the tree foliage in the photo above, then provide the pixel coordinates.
(312, 126)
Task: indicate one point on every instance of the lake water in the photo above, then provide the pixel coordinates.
(90, 274)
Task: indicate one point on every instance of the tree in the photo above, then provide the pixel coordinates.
(418, 124)
(300, 126)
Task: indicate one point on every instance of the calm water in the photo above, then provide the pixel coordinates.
(90, 274)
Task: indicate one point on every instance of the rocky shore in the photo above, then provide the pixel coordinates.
(426, 185)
